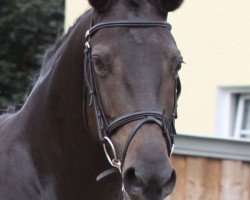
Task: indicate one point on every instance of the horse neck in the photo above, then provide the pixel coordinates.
(58, 94)
(54, 110)
(52, 119)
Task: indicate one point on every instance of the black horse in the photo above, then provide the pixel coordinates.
(115, 87)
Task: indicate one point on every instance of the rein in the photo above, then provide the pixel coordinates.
(105, 129)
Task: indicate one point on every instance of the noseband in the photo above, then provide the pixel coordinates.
(106, 129)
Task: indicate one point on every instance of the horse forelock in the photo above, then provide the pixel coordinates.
(161, 6)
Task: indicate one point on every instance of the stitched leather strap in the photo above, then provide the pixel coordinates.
(135, 130)
(126, 23)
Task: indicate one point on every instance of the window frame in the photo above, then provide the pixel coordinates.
(227, 111)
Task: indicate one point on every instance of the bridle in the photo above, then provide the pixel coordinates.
(106, 129)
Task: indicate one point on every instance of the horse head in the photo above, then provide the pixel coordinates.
(131, 70)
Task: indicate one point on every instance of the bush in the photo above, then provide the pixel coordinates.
(26, 30)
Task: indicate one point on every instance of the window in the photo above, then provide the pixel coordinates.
(242, 123)
(233, 112)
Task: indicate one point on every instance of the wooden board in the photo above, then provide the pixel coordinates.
(210, 179)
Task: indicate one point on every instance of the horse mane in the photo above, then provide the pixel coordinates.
(52, 49)
(47, 56)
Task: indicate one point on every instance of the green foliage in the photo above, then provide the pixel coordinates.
(27, 28)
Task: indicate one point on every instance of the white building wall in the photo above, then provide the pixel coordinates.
(214, 38)
(74, 8)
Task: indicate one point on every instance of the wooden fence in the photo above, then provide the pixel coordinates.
(200, 178)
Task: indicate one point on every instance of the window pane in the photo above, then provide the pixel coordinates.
(246, 115)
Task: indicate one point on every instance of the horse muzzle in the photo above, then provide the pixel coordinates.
(147, 171)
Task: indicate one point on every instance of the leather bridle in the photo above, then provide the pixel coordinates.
(106, 129)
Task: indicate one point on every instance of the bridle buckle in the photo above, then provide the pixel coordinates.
(113, 160)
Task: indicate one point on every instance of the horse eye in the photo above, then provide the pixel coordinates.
(98, 63)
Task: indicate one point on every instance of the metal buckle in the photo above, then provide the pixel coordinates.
(87, 33)
(87, 45)
(172, 149)
(115, 162)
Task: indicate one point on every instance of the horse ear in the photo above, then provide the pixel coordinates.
(172, 5)
(100, 5)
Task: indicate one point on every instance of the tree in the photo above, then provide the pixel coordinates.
(27, 28)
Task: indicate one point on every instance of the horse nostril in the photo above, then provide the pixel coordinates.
(132, 183)
(154, 185)
(170, 183)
